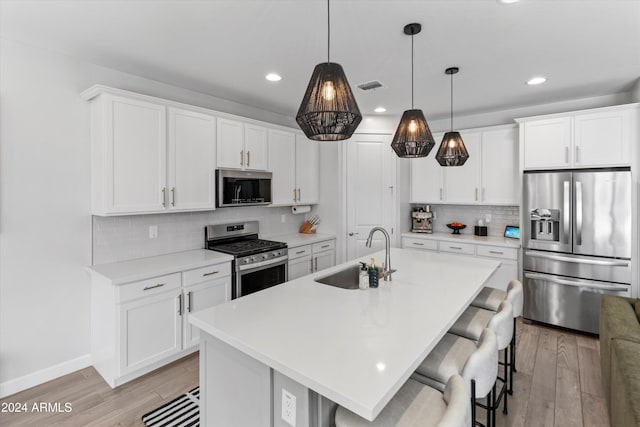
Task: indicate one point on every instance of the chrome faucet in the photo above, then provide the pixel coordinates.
(387, 257)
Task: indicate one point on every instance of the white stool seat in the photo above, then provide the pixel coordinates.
(417, 405)
(490, 298)
(474, 320)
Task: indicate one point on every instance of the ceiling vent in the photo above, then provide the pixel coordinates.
(374, 84)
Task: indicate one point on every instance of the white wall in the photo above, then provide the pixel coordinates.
(45, 222)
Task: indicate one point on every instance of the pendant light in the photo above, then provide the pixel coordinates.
(413, 137)
(328, 111)
(452, 151)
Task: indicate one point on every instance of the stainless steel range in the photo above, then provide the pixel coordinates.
(258, 264)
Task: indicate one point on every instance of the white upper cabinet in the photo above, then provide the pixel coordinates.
(595, 138)
(282, 158)
(307, 170)
(462, 183)
(500, 182)
(192, 160)
(426, 177)
(241, 145)
(128, 155)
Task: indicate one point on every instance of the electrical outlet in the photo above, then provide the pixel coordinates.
(487, 218)
(153, 231)
(288, 408)
(283, 218)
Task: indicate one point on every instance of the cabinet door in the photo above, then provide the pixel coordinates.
(192, 160)
(500, 175)
(256, 148)
(135, 155)
(602, 139)
(299, 267)
(201, 296)
(462, 183)
(230, 144)
(426, 177)
(150, 330)
(547, 143)
(282, 158)
(307, 170)
(323, 260)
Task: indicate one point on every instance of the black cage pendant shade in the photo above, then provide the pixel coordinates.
(452, 151)
(413, 137)
(328, 111)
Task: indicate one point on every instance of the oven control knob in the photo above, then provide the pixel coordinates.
(278, 253)
(253, 259)
(246, 261)
(265, 256)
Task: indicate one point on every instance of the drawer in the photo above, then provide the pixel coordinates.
(497, 252)
(300, 251)
(324, 246)
(458, 248)
(148, 287)
(206, 273)
(410, 242)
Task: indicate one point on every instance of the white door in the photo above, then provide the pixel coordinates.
(371, 195)
(323, 260)
(282, 160)
(201, 296)
(547, 143)
(426, 177)
(602, 139)
(192, 160)
(307, 170)
(135, 164)
(150, 330)
(462, 183)
(500, 172)
(255, 147)
(299, 267)
(230, 144)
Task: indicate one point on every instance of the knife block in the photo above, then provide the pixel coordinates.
(307, 228)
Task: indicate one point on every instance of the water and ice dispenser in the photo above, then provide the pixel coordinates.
(545, 224)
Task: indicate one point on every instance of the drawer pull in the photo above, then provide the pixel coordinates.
(324, 246)
(189, 301)
(455, 247)
(300, 252)
(180, 305)
(496, 252)
(418, 244)
(210, 274)
(146, 288)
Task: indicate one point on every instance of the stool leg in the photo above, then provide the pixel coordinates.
(473, 403)
(493, 406)
(489, 396)
(506, 378)
(513, 340)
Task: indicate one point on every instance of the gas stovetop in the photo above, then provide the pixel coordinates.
(246, 246)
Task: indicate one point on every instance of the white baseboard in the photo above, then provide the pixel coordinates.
(10, 387)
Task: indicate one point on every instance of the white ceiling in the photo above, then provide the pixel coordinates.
(225, 48)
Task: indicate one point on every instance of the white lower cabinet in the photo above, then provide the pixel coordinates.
(300, 267)
(140, 326)
(308, 259)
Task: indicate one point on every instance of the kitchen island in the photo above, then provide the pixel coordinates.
(322, 344)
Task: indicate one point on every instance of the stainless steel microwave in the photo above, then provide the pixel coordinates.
(242, 188)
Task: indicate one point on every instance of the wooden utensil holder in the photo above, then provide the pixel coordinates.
(307, 228)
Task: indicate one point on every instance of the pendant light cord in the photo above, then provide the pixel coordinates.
(328, 32)
(412, 31)
(451, 102)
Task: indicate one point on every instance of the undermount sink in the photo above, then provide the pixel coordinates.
(347, 278)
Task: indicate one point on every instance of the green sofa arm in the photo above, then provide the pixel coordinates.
(625, 384)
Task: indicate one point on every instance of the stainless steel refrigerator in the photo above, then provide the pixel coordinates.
(577, 244)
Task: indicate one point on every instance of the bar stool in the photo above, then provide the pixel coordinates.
(476, 363)
(470, 325)
(490, 298)
(417, 405)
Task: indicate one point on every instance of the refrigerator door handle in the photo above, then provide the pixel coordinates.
(612, 263)
(565, 212)
(578, 213)
(584, 285)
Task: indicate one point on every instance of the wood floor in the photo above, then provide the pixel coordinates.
(558, 384)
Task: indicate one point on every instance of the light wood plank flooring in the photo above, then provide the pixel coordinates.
(558, 384)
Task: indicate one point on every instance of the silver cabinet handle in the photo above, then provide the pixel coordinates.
(294, 195)
(248, 157)
(173, 196)
(578, 260)
(353, 234)
(241, 157)
(299, 198)
(324, 246)
(300, 252)
(496, 252)
(210, 273)
(440, 193)
(586, 285)
(189, 301)
(577, 160)
(311, 260)
(316, 260)
(578, 213)
(455, 247)
(164, 197)
(180, 304)
(476, 194)
(159, 285)
(566, 154)
(418, 244)
(565, 212)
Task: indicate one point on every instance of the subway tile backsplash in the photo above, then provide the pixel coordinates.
(121, 238)
(501, 216)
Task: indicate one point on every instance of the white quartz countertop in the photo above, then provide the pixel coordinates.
(470, 238)
(355, 347)
(294, 240)
(143, 268)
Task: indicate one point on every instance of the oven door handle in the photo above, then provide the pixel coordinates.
(274, 262)
(594, 286)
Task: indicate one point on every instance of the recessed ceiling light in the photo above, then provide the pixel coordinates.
(536, 80)
(380, 110)
(508, 1)
(273, 77)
